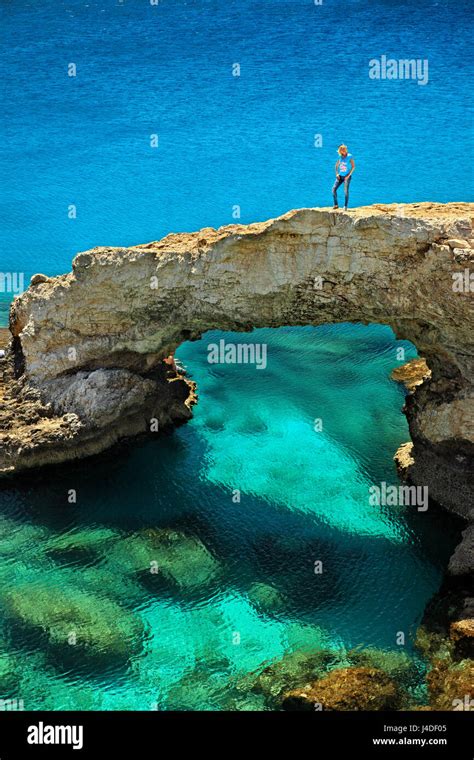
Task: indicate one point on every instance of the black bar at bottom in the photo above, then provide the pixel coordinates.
(140, 734)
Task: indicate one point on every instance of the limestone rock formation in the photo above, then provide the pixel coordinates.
(89, 345)
(451, 687)
(412, 374)
(38, 278)
(462, 560)
(293, 679)
(348, 689)
(85, 365)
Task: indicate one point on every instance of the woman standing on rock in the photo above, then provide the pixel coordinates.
(343, 174)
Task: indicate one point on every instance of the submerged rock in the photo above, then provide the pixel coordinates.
(348, 689)
(8, 674)
(249, 703)
(295, 668)
(396, 664)
(176, 557)
(131, 555)
(16, 536)
(451, 686)
(88, 541)
(302, 637)
(207, 686)
(312, 661)
(203, 687)
(266, 598)
(182, 559)
(75, 621)
(121, 587)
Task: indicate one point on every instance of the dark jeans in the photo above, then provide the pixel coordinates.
(338, 183)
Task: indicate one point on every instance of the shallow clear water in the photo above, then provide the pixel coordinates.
(236, 585)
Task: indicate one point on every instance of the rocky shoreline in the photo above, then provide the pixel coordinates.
(84, 366)
(35, 431)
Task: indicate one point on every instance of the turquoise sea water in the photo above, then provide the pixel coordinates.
(236, 586)
(85, 621)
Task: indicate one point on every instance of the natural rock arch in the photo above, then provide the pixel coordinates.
(88, 346)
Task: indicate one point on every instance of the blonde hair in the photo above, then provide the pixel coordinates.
(342, 147)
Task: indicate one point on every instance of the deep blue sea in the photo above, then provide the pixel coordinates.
(85, 621)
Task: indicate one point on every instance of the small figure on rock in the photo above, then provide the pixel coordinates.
(344, 168)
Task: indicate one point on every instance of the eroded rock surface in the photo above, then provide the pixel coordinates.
(412, 374)
(91, 342)
(348, 689)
